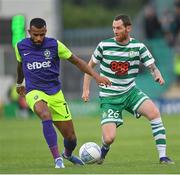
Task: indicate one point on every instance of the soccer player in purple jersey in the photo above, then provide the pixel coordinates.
(38, 60)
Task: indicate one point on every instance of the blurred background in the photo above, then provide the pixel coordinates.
(80, 25)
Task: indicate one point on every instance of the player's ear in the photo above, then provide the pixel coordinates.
(29, 31)
(129, 28)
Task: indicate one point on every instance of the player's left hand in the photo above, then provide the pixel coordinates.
(160, 80)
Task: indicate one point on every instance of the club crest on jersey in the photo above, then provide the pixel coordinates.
(104, 115)
(132, 54)
(36, 97)
(47, 54)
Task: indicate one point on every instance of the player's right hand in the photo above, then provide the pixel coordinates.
(103, 81)
(21, 90)
(85, 95)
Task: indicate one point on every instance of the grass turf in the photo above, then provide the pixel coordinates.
(23, 148)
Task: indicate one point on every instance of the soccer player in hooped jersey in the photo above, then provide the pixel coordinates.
(119, 58)
(39, 63)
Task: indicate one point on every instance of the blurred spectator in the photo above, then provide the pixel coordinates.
(177, 60)
(175, 30)
(23, 109)
(152, 24)
(176, 21)
(166, 21)
(171, 24)
(12, 94)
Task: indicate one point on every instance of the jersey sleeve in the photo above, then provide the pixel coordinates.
(97, 55)
(18, 57)
(145, 56)
(63, 51)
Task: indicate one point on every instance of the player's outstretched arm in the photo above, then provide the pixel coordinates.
(156, 74)
(20, 77)
(84, 67)
(87, 82)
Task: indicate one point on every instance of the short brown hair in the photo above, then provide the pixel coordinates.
(125, 18)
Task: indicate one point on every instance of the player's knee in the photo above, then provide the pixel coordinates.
(109, 139)
(70, 137)
(44, 114)
(69, 134)
(154, 114)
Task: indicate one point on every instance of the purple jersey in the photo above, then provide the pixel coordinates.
(41, 64)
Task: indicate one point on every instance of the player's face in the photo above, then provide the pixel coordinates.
(121, 32)
(37, 34)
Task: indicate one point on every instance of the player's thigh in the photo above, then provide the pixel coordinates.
(149, 110)
(42, 110)
(37, 101)
(34, 96)
(111, 113)
(134, 100)
(66, 128)
(59, 107)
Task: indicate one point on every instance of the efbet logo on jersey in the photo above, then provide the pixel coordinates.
(38, 65)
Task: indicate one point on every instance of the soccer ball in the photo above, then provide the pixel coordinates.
(90, 152)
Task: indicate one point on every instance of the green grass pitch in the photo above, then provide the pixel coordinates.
(23, 148)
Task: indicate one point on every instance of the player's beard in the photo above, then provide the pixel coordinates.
(37, 43)
(122, 37)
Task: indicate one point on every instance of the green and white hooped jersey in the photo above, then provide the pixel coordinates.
(120, 63)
